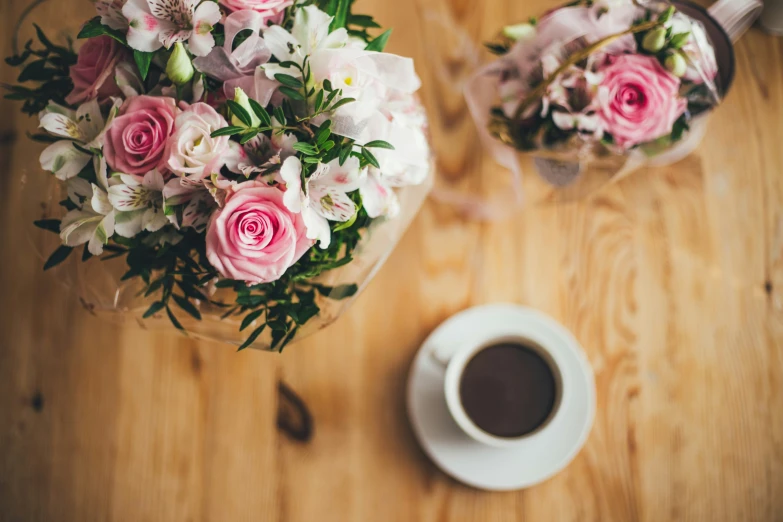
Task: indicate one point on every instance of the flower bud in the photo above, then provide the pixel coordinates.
(654, 40)
(179, 69)
(523, 32)
(241, 98)
(676, 64)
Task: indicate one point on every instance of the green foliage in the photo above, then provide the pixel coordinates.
(45, 71)
(379, 44)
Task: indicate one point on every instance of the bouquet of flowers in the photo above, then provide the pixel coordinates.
(232, 152)
(595, 79)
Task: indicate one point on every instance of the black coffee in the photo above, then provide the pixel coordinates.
(508, 390)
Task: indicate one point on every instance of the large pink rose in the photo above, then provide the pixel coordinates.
(273, 10)
(93, 74)
(136, 140)
(639, 99)
(254, 237)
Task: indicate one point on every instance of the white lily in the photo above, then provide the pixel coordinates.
(93, 221)
(161, 23)
(309, 34)
(378, 197)
(138, 202)
(325, 196)
(84, 127)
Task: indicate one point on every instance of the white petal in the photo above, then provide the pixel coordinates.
(154, 219)
(78, 226)
(90, 120)
(101, 236)
(101, 172)
(291, 172)
(317, 227)
(79, 191)
(153, 180)
(128, 224)
(144, 28)
(100, 201)
(61, 125)
(126, 198)
(63, 159)
(564, 120)
(377, 198)
(346, 178)
(333, 204)
(56, 108)
(281, 43)
(201, 44)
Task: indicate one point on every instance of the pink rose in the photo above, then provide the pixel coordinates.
(639, 100)
(191, 151)
(273, 10)
(136, 140)
(254, 237)
(93, 74)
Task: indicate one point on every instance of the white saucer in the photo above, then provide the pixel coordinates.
(543, 454)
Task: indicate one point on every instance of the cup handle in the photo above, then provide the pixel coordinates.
(736, 16)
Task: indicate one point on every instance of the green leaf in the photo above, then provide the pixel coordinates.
(227, 131)
(52, 225)
(342, 292)
(186, 305)
(280, 115)
(94, 28)
(319, 100)
(363, 21)
(249, 318)
(345, 152)
(225, 283)
(344, 101)
(143, 61)
(291, 93)
(154, 308)
(379, 44)
(379, 144)
(249, 136)
(250, 300)
(261, 112)
(323, 135)
(174, 320)
(252, 338)
(86, 255)
(305, 148)
(240, 112)
(59, 255)
(312, 160)
(328, 85)
(371, 159)
(280, 344)
(289, 81)
(340, 15)
(347, 224)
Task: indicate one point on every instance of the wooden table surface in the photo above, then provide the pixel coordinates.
(672, 280)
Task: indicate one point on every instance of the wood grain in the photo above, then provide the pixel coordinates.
(672, 280)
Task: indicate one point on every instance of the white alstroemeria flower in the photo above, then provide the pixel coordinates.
(309, 34)
(110, 12)
(325, 196)
(93, 221)
(138, 202)
(84, 127)
(196, 198)
(378, 197)
(157, 23)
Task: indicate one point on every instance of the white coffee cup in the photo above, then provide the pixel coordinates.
(457, 363)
